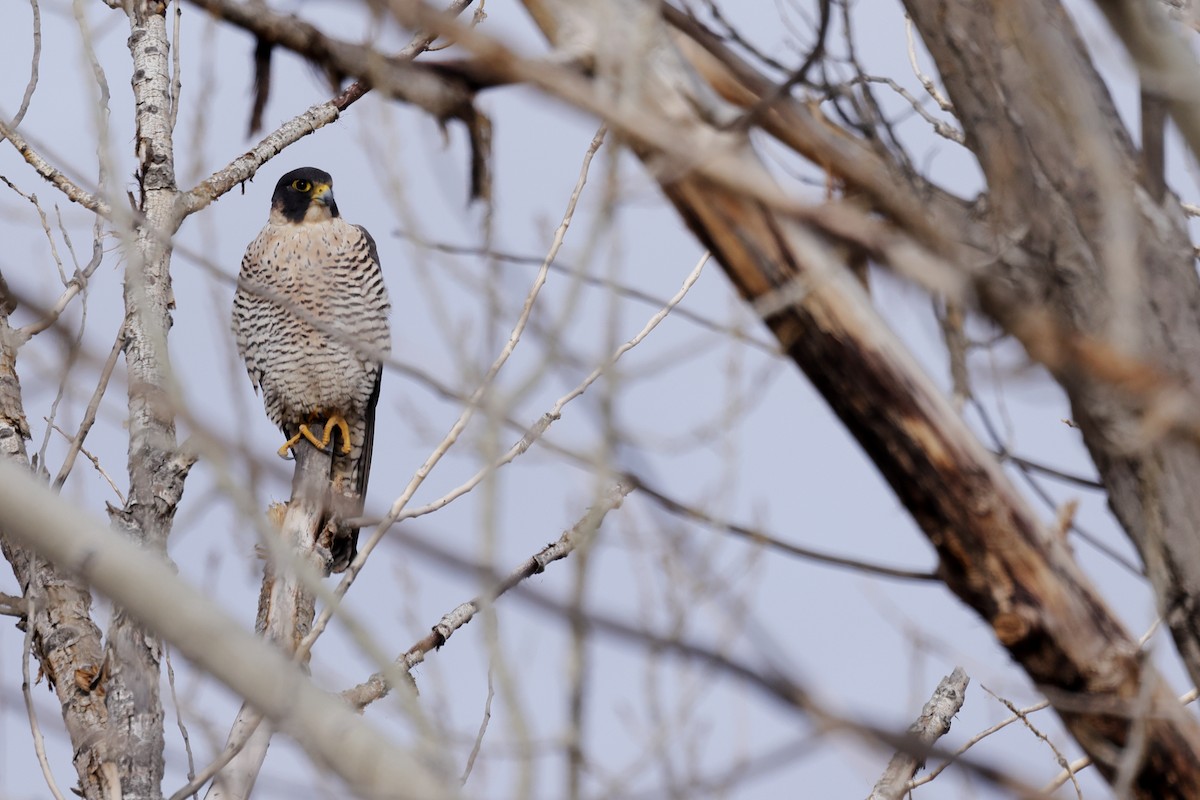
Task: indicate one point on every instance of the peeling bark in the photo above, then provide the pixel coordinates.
(66, 642)
(155, 475)
(1053, 174)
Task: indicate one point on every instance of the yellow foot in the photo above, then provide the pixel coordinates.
(335, 421)
(283, 451)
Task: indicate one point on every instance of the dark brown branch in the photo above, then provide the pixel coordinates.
(1079, 228)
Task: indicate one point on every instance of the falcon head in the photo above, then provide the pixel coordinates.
(304, 195)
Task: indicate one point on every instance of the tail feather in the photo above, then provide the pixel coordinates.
(350, 476)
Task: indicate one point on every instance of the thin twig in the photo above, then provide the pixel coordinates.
(976, 739)
(1058, 756)
(483, 726)
(232, 747)
(376, 687)
(539, 428)
(622, 290)
(89, 418)
(95, 463)
(925, 80)
(940, 127)
(39, 744)
(183, 731)
(33, 67)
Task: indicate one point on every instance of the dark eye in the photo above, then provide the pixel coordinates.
(301, 185)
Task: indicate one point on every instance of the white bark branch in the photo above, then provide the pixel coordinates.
(133, 657)
(286, 607)
(933, 724)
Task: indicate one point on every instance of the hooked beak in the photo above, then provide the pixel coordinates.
(323, 193)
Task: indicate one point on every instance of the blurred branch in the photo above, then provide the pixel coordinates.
(35, 60)
(933, 724)
(151, 592)
(13, 606)
(767, 540)
(1165, 61)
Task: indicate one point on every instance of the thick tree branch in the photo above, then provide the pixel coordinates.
(155, 473)
(994, 552)
(1063, 181)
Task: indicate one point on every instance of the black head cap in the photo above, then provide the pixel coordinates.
(299, 189)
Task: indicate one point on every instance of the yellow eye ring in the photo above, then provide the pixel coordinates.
(301, 185)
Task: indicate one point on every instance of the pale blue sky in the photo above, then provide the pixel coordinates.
(869, 647)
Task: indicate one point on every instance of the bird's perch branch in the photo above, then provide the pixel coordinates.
(286, 605)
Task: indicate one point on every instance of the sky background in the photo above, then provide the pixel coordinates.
(711, 418)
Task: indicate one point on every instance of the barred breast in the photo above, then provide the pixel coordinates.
(311, 319)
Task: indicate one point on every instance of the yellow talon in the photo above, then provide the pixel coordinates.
(335, 421)
(283, 451)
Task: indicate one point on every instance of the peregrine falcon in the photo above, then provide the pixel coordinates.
(310, 316)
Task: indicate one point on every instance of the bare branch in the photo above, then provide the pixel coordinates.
(1055, 624)
(52, 174)
(376, 686)
(89, 417)
(933, 724)
(39, 745)
(149, 590)
(391, 75)
(31, 87)
(1164, 60)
